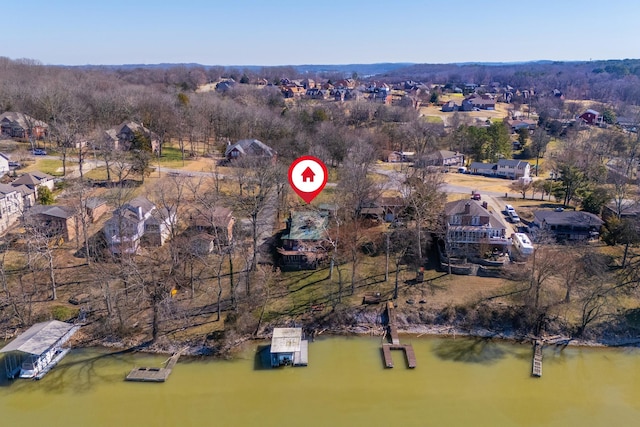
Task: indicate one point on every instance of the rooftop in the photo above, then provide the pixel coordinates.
(286, 340)
(307, 225)
(38, 338)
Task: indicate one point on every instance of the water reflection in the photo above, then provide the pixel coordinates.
(470, 350)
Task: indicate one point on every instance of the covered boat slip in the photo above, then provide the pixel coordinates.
(288, 347)
(37, 350)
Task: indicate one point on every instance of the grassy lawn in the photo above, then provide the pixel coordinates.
(50, 166)
(433, 119)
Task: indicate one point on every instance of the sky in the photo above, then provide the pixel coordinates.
(295, 32)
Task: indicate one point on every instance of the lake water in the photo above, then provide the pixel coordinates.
(458, 382)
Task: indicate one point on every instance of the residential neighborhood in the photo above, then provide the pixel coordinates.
(449, 205)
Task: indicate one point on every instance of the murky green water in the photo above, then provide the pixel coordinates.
(459, 382)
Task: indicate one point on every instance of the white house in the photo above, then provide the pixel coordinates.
(11, 206)
(4, 163)
(513, 169)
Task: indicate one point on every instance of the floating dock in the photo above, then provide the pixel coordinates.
(536, 364)
(395, 342)
(154, 375)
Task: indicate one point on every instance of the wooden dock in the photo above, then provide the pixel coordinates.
(154, 375)
(536, 365)
(395, 342)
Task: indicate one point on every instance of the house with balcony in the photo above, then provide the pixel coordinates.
(568, 225)
(135, 224)
(304, 241)
(473, 229)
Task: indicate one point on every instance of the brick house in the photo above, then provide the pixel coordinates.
(20, 125)
(54, 221)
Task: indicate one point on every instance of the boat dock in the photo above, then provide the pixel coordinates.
(155, 375)
(536, 365)
(395, 342)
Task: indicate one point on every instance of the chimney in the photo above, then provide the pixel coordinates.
(467, 208)
(485, 205)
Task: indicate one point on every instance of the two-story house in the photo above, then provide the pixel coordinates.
(20, 125)
(470, 226)
(11, 206)
(304, 241)
(4, 164)
(513, 169)
(137, 223)
(209, 230)
(120, 137)
(32, 181)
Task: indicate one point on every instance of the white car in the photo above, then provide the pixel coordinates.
(513, 216)
(508, 208)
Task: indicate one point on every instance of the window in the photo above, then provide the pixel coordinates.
(475, 220)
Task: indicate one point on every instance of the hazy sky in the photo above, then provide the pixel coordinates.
(292, 32)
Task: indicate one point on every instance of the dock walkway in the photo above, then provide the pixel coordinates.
(156, 375)
(395, 342)
(536, 365)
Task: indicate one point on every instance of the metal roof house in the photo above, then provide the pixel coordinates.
(38, 349)
(304, 241)
(288, 348)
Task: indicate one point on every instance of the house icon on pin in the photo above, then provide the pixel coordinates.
(308, 175)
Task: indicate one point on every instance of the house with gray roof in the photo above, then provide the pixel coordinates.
(568, 225)
(11, 206)
(441, 158)
(137, 223)
(513, 169)
(250, 149)
(470, 226)
(20, 125)
(54, 221)
(121, 137)
(486, 169)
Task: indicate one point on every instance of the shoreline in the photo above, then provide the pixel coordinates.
(167, 347)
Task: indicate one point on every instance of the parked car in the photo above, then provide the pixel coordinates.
(509, 208)
(39, 152)
(513, 216)
(15, 165)
(475, 195)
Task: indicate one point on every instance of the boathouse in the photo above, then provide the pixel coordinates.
(288, 348)
(37, 350)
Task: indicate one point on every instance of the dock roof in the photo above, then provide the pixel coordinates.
(38, 338)
(286, 340)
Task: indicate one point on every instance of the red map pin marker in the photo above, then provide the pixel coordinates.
(308, 176)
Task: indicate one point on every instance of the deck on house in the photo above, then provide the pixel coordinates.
(156, 375)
